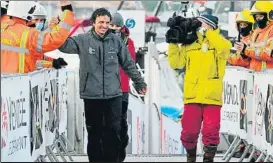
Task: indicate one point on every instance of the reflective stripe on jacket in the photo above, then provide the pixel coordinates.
(19, 43)
(260, 48)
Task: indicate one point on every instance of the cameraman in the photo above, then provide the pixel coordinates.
(205, 61)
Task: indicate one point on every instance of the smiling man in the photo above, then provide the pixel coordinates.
(101, 52)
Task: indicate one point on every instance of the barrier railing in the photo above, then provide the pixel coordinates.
(247, 112)
(37, 108)
(34, 116)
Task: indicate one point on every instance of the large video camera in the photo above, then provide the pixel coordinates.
(182, 30)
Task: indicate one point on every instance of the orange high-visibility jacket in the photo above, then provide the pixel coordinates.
(236, 59)
(20, 44)
(260, 48)
(43, 61)
(4, 17)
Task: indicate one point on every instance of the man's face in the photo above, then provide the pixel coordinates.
(114, 27)
(101, 24)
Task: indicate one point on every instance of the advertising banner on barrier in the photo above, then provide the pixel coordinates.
(136, 126)
(62, 84)
(15, 115)
(263, 111)
(170, 136)
(235, 98)
(37, 129)
(51, 105)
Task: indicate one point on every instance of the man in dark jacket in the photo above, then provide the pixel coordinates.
(118, 28)
(101, 53)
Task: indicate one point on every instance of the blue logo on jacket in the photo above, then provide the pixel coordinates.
(130, 23)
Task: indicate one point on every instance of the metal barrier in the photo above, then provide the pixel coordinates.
(246, 113)
(34, 111)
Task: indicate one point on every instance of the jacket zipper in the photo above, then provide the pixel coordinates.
(85, 82)
(103, 58)
(217, 69)
(99, 56)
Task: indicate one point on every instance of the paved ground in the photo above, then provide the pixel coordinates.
(151, 158)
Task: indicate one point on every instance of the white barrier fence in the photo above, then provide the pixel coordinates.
(37, 108)
(247, 111)
(33, 115)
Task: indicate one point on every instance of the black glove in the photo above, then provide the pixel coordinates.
(58, 63)
(140, 86)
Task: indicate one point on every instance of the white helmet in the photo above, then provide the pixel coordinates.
(21, 9)
(4, 4)
(40, 12)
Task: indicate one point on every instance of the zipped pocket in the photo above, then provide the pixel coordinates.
(85, 81)
(119, 80)
(216, 75)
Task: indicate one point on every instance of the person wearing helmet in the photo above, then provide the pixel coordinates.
(244, 25)
(19, 42)
(260, 48)
(117, 27)
(39, 18)
(4, 8)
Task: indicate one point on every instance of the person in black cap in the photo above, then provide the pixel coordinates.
(117, 27)
(205, 62)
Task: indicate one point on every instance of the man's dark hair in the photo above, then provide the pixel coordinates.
(100, 12)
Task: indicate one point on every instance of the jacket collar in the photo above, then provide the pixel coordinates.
(201, 38)
(105, 37)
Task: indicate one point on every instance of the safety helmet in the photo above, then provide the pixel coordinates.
(4, 4)
(21, 9)
(263, 7)
(244, 16)
(40, 12)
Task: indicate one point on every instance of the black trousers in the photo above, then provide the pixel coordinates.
(124, 128)
(103, 122)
